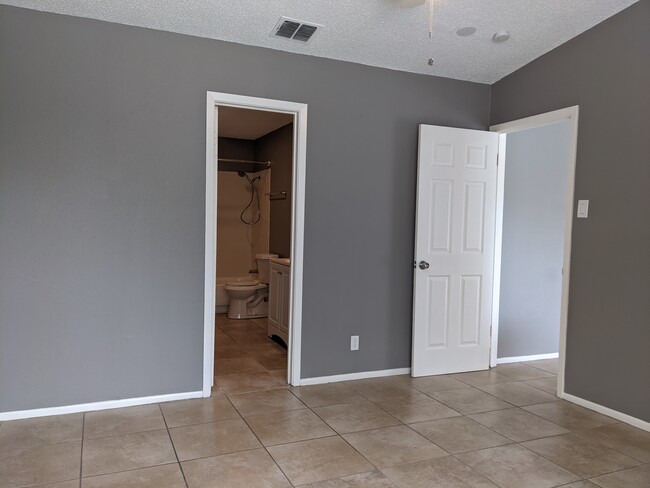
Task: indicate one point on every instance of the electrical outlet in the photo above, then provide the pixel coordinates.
(354, 343)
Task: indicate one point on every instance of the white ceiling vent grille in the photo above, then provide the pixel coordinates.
(296, 30)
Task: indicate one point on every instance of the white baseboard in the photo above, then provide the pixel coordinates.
(623, 417)
(353, 376)
(87, 407)
(534, 357)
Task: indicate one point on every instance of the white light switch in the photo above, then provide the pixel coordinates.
(583, 209)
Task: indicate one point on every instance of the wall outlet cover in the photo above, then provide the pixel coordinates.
(354, 343)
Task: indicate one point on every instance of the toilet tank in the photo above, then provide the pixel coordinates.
(263, 266)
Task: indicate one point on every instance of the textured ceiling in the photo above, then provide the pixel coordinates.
(242, 123)
(372, 32)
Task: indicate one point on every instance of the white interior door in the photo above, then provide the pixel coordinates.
(454, 250)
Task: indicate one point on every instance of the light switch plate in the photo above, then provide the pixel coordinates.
(583, 209)
(354, 343)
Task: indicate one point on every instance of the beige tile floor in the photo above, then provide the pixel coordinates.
(245, 359)
(499, 428)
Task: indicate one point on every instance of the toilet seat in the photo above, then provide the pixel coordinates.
(243, 283)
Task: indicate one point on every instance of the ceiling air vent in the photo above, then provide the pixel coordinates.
(296, 30)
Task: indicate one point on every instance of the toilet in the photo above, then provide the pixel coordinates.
(249, 299)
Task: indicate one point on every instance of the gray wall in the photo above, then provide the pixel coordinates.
(102, 184)
(536, 170)
(277, 147)
(606, 71)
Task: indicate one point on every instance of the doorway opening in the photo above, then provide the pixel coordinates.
(459, 241)
(535, 191)
(255, 166)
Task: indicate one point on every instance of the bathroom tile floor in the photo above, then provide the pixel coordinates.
(245, 359)
(500, 428)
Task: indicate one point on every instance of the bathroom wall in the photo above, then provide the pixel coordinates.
(277, 146)
(237, 243)
(536, 169)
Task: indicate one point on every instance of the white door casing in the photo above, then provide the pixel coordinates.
(455, 230)
(299, 110)
(571, 114)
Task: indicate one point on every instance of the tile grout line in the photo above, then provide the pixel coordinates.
(576, 431)
(260, 441)
(99, 475)
(345, 440)
(512, 405)
(171, 441)
(544, 457)
(527, 363)
(125, 433)
(455, 456)
(588, 440)
(617, 471)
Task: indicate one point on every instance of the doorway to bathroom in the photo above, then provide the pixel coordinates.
(255, 165)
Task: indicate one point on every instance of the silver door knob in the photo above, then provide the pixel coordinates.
(423, 265)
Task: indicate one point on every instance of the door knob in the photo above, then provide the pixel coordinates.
(423, 265)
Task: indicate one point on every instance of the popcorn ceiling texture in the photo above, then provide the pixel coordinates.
(371, 32)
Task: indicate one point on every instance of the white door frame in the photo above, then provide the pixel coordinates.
(299, 111)
(566, 114)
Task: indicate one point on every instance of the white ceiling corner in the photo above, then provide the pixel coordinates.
(372, 32)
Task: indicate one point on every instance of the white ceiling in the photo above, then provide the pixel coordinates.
(372, 32)
(242, 123)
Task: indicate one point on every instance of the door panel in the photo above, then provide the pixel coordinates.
(456, 207)
(473, 214)
(440, 230)
(438, 311)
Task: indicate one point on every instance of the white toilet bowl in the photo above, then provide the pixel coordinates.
(247, 299)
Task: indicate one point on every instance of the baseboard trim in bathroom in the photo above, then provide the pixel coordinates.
(105, 405)
(615, 414)
(319, 380)
(534, 357)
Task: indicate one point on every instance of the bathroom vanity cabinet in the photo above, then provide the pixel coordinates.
(279, 289)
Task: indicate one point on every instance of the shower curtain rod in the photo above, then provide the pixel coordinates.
(243, 161)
